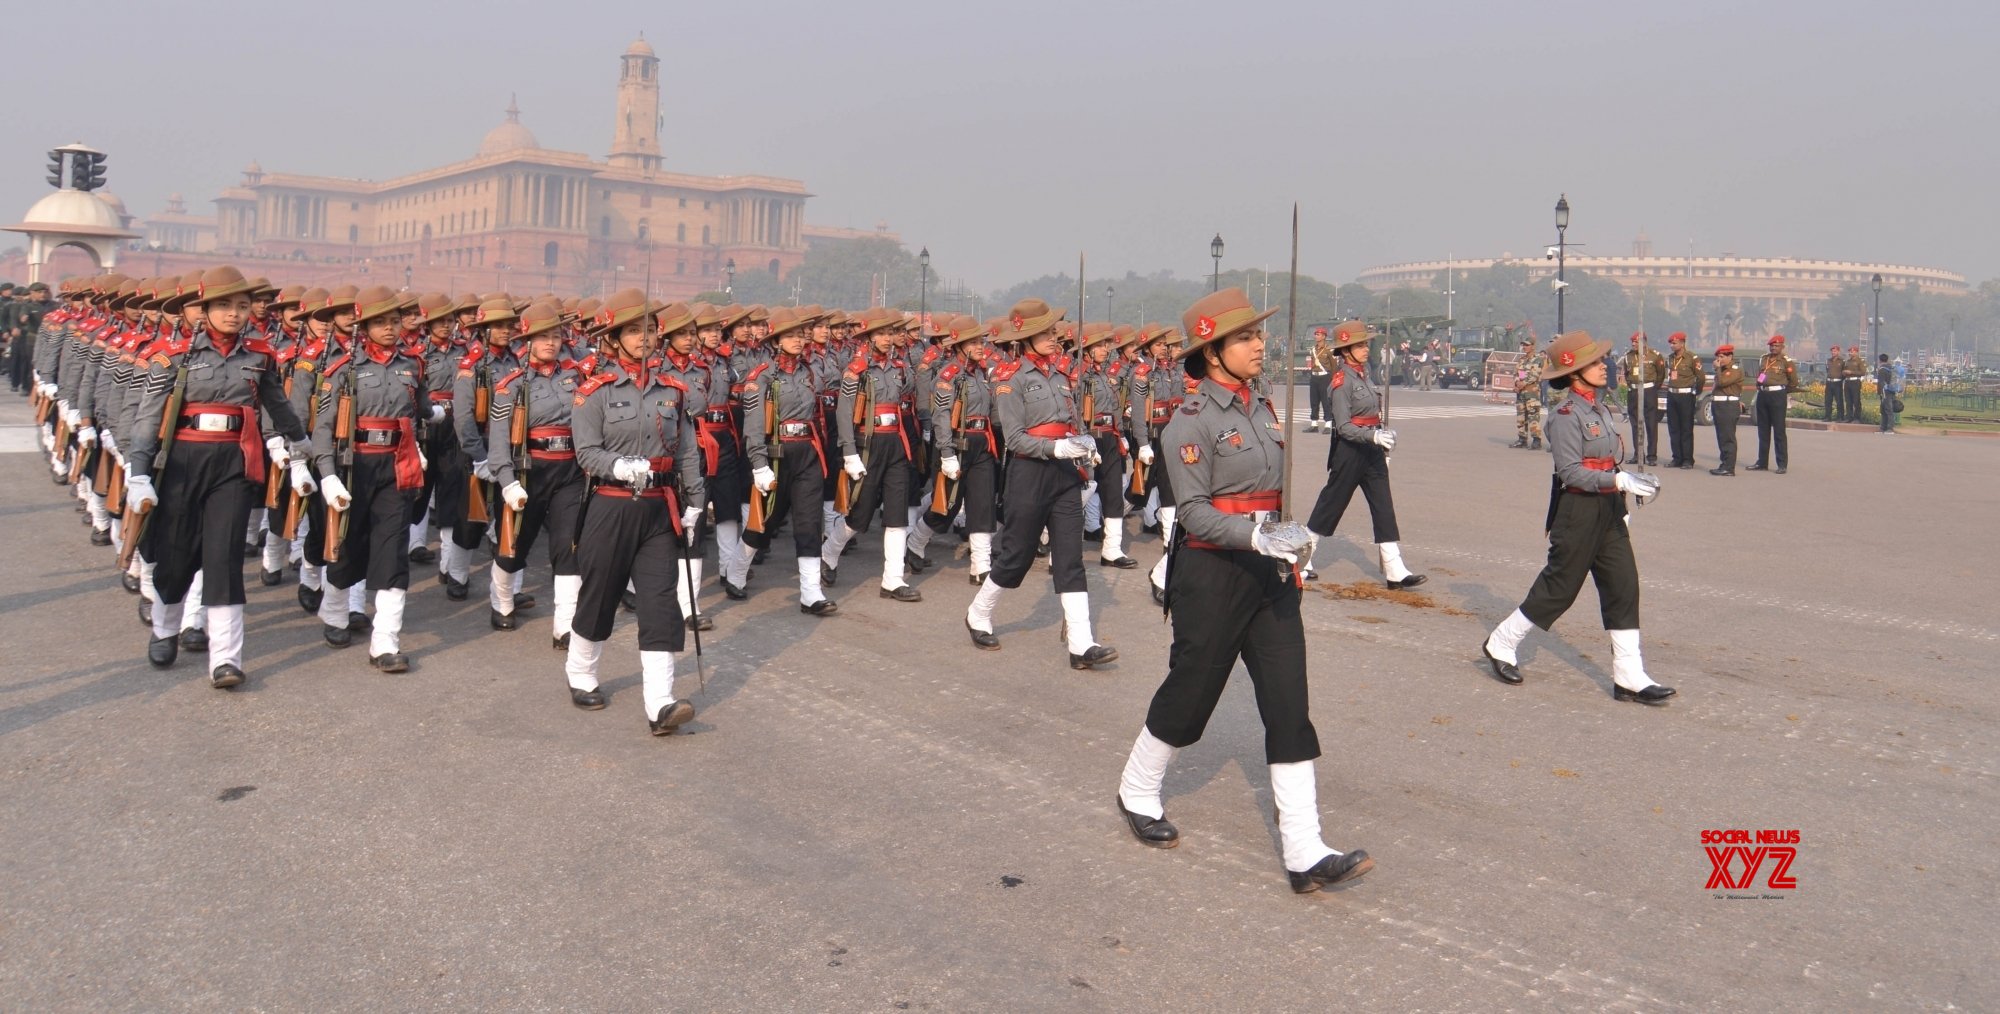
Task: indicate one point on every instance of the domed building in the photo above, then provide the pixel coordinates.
(515, 215)
(72, 218)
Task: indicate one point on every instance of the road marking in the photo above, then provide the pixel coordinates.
(1399, 414)
(18, 440)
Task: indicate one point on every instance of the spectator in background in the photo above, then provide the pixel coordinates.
(1888, 384)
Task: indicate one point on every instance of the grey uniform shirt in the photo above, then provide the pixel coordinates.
(551, 396)
(959, 384)
(390, 389)
(793, 384)
(482, 368)
(1584, 428)
(1348, 396)
(634, 412)
(1027, 394)
(878, 383)
(247, 376)
(1217, 445)
(1101, 387)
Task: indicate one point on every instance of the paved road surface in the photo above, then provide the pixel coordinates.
(869, 814)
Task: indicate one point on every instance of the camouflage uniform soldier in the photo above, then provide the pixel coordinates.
(1527, 400)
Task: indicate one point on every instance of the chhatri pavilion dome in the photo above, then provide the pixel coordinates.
(508, 136)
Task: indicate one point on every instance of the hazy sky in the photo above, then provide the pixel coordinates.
(1007, 137)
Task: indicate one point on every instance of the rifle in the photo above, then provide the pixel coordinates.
(476, 511)
(843, 492)
(943, 493)
(295, 506)
(517, 449)
(343, 461)
(77, 463)
(761, 504)
(170, 422)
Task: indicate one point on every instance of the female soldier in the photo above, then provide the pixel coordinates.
(1586, 525)
(548, 496)
(217, 382)
(489, 356)
(1230, 598)
(371, 472)
(720, 425)
(1359, 455)
(969, 452)
(787, 395)
(633, 438)
(680, 361)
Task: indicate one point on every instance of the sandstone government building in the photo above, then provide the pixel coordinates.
(513, 216)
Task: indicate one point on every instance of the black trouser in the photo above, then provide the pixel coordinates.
(630, 539)
(800, 475)
(555, 495)
(1680, 425)
(1853, 386)
(445, 479)
(1319, 388)
(1656, 409)
(1352, 465)
(1042, 493)
(1834, 404)
(1156, 476)
(1887, 406)
(728, 483)
(1770, 426)
(22, 362)
(1228, 605)
(1633, 414)
(1588, 539)
(1725, 431)
(377, 547)
(1110, 477)
(975, 493)
(886, 485)
(200, 522)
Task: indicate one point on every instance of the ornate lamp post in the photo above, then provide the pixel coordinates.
(1215, 252)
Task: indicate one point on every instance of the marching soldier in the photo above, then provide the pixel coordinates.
(1234, 594)
(196, 432)
(489, 355)
(1854, 371)
(1155, 394)
(680, 360)
(1684, 386)
(441, 500)
(719, 422)
(1586, 527)
(371, 472)
(1048, 457)
(1527, 398)
(634, 439)
(1644, 401)
(869, 418)
(1727, 405)
(1099, 393)
(1777, 378)
(787, 460)
(540, 486)
(1832, 406)
(1359, 457)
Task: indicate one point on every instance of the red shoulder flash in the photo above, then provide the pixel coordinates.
(758, 371)
(1338, 379)
(260, 346)
(672, 381)
(1564, 410)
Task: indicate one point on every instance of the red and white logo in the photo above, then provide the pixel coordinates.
(1204, 327)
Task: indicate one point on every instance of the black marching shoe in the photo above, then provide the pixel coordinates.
(522, 602)
(423, 554)
(828, 576)
(394, 661)
(976, 580)
(1152, 529)
(1156, 832)
(1758, 467)
(1722, 471)
(1409, 582)
(1652, 459)
(1781, 469)
(733, 591)
(500, 620)
(358, 622)
(915, 561)
(1537, 445)
(145, 613)
(560, 643)
(1093, 657)
(1520, 442)
(271, 578)
(671, 717)
(628, 601)
(1308, 574)
(981, 639)
(1655, 694)
(1634, 459)
(588, 700)
(194, 639)
(337, 637)
(130, 581)
(161, 651)
(761, 554)
(824, 607)
(100, 536)
(700, 622)
(1329, 871)
(1507, 672)
(901, 593)
(309, 598)
(225, 676)
(1159, 593)
(453, 589)
(1120, 563)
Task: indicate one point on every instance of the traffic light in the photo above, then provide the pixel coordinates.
(55, 169)
(87, 171)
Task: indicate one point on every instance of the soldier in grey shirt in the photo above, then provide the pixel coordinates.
(1359, 456)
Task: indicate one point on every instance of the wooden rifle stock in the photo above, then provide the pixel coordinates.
(517, 448)
(135, 526)
(760, 501)
(343, 446)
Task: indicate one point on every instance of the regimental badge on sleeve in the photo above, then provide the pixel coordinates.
(1190, 454)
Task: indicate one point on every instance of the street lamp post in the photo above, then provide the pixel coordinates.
(1875, 322)
(1215, 252)
(729, 269)
(1562, 230)
(406, 278)
(924, 286)
(1109, 289)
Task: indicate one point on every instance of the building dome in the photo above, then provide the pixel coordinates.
(508, 136)
(116, 202)
(639, 47)
(254, 167)
(78, 212)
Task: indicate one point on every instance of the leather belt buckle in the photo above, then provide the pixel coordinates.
(715, 416)
(887, 418)
(974, 426)
(794, 429)
(215, 422)
(376, 438)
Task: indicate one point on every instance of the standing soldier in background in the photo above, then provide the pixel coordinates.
(1854, 371)
(1777, 378)
(25, 319)
(1727, 405)
(1319, 374)
(1833, 405)
(1644, 401)
(1684, 386)
(1527, 398)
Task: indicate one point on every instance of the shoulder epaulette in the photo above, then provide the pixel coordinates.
(947, 375)
(1339, 378)
(756, 371)
(501, 386)
(1006, 371)
(1564, 410)
(470, 360)
(338, 362)
(260, 346)
(592, 383)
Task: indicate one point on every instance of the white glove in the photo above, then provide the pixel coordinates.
(690, 518)
(632, 471)
(437, 411)
(1124, 446)
(336, 493)
(482, 470)
(763, 478)
(302, 478)
(280, 457)
(852, 463)
(1385, 439)
(1638, 483)
(1280, 541)
(950, 467)
(1146, 453)
(515, 494)
(139, 495)
(109, 443)
(48, 390)
(1074, 448)
(86, 436)
(70, 415)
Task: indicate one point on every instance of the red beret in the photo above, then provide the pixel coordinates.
(1777, 339)
(1636, 335)
(1854, 348)
(1678, 336)
(1725, 350)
